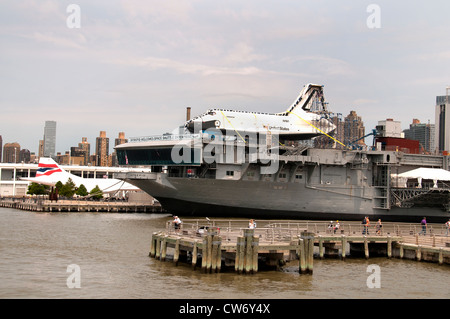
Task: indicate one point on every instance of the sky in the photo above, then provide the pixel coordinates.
(134, 66)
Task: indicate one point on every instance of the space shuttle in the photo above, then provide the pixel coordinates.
(307, 117)
(49, 173)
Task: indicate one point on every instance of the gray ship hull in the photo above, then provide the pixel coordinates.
(274, 200)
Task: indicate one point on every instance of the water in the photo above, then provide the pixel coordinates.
(112, 249)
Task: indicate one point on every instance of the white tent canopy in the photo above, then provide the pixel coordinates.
(427, 173)
(435, 174)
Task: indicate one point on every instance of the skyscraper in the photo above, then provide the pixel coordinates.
(442, 124)
(1, 148)
(49, 138)
(353, 129)
(102, 149)
(11, 153)
(85, 146)
(119, 140)
(424, 133)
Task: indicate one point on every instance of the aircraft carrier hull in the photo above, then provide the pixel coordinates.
(274, 200)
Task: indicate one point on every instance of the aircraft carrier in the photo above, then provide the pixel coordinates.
(223, 166)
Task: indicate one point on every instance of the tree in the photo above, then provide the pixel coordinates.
(59, 185)
(96, 192)
(37, 189)
(82, 191)
(68, 189)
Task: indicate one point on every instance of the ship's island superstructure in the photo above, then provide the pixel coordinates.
(262, 165)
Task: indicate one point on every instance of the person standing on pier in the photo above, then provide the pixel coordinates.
(424, 226)
(336, 227)
(252, 224)
(176, 223)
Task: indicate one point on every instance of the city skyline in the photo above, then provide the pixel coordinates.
(135, 67)
(84, 145)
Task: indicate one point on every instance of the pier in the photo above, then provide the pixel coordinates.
(45, 205)
(213, 245)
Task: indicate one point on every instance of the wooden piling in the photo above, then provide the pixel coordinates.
(321, 249)
(214, 251)
(176, 254)
(219, 254)
(238, 251)
(302, 256)
(153, 246)
(158, 246)
(163, 248)
(366, 247)
(240, 254)
(204, 253)
(306, 244)
(248, 236)
(344, 245)
(194, 255)
(209, 252)
(255, 245)
(419, 253)
(389, 246)
(310, 256)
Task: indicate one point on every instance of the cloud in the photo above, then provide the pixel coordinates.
(325, 65)
(154, 63)
(76, 42)
(242, 53)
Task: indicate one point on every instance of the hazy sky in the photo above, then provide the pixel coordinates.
(134, 66)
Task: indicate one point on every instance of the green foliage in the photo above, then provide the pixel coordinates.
(59, 185)
(82, 191)
(96, 192)
(68, 189)
(37, 189)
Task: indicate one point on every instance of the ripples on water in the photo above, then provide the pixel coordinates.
(112, 252)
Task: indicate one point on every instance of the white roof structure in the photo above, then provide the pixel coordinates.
(427, 173)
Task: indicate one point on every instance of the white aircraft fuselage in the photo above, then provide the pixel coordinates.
(49, 173)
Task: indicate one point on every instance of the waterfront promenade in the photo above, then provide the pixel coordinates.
(45, 205)
(213, 244)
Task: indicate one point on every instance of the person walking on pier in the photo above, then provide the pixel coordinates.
(424, 226)
(366, 224)
(378, 227)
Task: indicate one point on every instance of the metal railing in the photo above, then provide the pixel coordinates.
(285, 231)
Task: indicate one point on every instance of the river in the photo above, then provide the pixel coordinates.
(109, 253)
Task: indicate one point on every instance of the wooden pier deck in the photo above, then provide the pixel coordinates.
(42, 205)
(216, 244)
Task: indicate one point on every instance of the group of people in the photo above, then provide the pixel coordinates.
(423, 223)
(333, 228)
